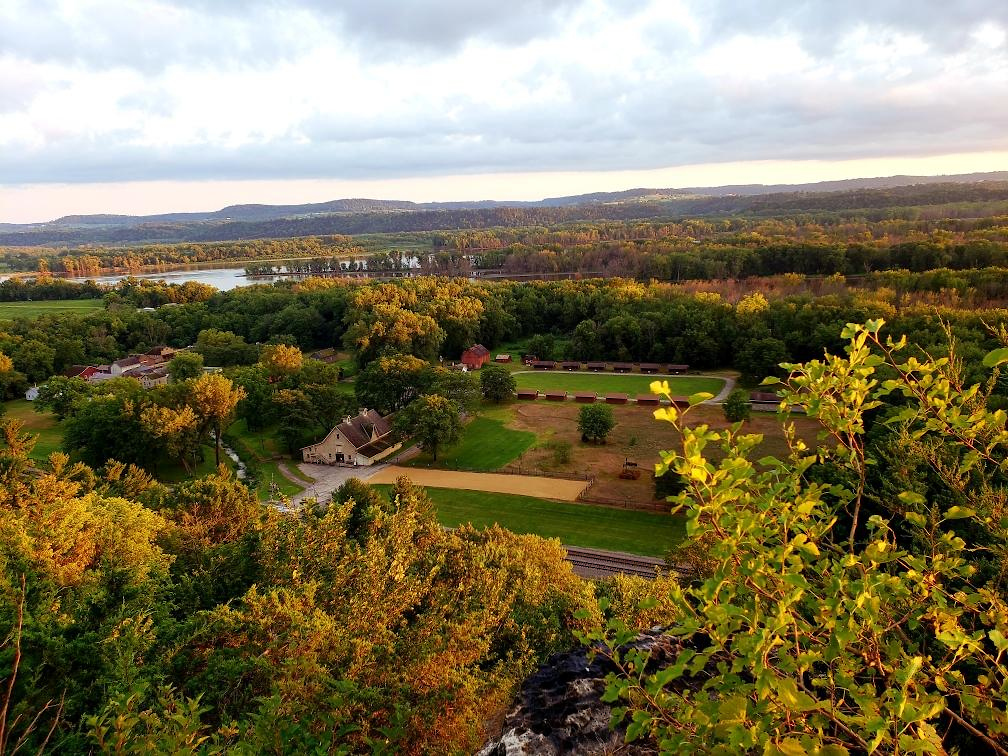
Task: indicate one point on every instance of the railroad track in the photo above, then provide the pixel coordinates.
(595, 563)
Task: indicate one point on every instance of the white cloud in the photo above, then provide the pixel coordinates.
(109, 90)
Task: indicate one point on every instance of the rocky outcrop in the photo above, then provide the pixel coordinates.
(560, 711)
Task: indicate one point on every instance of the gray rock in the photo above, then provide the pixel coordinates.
(560, 711)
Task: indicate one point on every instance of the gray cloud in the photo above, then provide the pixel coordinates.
(944, 24)
(660, 108)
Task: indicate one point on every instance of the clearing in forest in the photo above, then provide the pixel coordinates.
(11, 310)
(624, 383)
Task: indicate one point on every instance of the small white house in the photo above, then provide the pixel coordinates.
(31, 394)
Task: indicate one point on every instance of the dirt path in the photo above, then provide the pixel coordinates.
(282, 467)
(559, 489)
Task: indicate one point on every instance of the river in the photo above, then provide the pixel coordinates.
(224, 279)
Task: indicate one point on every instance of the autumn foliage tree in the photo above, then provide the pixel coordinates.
(281, 359)
(213, 398)
(432, 420)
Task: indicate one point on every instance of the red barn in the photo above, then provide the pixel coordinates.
(475, 357)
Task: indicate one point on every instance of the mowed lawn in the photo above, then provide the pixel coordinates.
(486, 444)
(644, 533)
(11, 310)
(43, 425)
(623, 383)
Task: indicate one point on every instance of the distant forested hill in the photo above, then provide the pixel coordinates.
(361, 216)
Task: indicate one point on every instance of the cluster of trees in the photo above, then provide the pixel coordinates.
(142, 619)
(90, 260)
(119, 419)
(432, 318)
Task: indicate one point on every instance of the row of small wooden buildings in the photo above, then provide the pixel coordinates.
(590, 397)
(617, 367)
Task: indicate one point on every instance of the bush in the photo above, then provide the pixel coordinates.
(737, 407)
(561, 451)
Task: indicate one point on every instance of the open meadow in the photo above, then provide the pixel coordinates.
(612, 529)
(11, 310)
(43, 425)
(623, 383)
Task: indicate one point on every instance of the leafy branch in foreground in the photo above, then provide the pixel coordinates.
(823, 626)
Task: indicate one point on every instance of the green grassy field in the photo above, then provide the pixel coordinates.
(262, 443)
(43, 425)
(11, 310)
(293, 469)
(605, 383)
(485, 445)
(644, 533)
(269, 472)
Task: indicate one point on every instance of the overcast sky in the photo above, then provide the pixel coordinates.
(154, 105)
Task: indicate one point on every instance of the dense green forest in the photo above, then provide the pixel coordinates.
(750, 329)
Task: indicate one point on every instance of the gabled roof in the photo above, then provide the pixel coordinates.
(127, 361)
(477, 350)
(357, 430)
(75, 370)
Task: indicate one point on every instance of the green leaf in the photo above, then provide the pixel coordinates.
(996, 357)
(959, 513)
(733, 709)
(999, 640)
(788, 747)
(700, 396)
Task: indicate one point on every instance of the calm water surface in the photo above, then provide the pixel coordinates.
(224, 279)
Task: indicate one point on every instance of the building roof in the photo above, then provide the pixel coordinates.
(477, 350)
(357, 430)
(75, 370)
(127, 361)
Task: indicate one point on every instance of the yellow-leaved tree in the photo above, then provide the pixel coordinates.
(213, 398)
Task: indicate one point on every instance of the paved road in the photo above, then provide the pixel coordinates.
(729, 384)
(330, 477)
